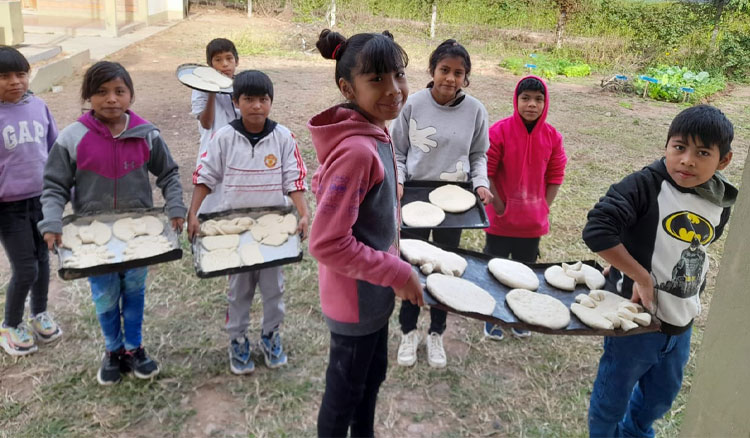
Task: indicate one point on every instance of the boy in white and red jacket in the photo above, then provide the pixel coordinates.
(525, 166)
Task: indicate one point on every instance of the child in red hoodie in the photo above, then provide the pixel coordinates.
(525, 165)
(354, 235)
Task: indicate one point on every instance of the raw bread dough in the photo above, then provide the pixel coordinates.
(211, 75)
(89, 255)
(250, 254)
(616, 310)
(556, 277)
(212, 243)
(275, 239)
(452, 198)
(460, 294)
(585, 274)
(591, 317)
(538, 309)
(259, 232)
(226, 226)
(270, 219)
(154, 226)
(97, 233)
(70, 237)
(127, 228)
(430, 258)
(199, 83)
(513, 274)
(422, 214)
(219, 259)
(143, 247)
(289, 224)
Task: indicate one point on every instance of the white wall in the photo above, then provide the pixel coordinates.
(157, 6)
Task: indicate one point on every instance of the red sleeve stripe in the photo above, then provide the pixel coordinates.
(299, 184)
(196, 173)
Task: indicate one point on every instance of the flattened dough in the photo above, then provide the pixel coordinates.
(556, 277)
(289, 224)
(89, 255)
(422, 214)
(602, 305)
(538, 309)
(430, 258)
(219, 259)
(452, 198)
(513, 274)
(591, 317)
(97, 233)
(199, 83)
(212, 243)
(70, 237)
(211, 75)
(143, 247)
(460, 294)
(250, 254)
(270, 219)
(275, 239)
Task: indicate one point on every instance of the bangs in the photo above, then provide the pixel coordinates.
(11, 60)
(381, 55)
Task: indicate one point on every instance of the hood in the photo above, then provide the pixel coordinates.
(26, 98)
(542, 118)
(336, 124)
(137, 126)
(717, 190)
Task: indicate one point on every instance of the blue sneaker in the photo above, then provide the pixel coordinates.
(491, 331)
(239, 356)
(520, 333)
(272, 350)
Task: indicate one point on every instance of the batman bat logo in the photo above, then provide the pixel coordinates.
(686, 226)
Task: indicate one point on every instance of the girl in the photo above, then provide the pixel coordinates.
(28, 132)
(106, 157)
(441, 134)
(355, 234)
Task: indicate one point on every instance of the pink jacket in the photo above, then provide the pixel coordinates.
(521, 165)
(354, 235)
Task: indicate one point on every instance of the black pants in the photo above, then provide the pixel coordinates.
(28, 256)
(409, 313)
(356, 368)
(522, 249)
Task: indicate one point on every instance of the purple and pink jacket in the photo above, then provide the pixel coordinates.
(521, 165)
(354, 235)
(108, 173)
(27, 133)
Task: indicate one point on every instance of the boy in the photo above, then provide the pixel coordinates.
(214, 110)
(525, 165)
(256, 161)
(653, 227)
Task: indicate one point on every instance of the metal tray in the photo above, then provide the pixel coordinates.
(475, 217)
(116, 246)
(289, 252)
(184, 69)
(478, 273)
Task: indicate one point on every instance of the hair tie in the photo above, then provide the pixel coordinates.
(333, 55)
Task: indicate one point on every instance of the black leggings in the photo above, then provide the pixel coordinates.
(522, 249)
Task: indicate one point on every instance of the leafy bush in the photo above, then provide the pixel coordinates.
(735, 55)
(672, 78)
(546, 67)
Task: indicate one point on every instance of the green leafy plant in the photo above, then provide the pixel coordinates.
(673, 78)
(546, 67)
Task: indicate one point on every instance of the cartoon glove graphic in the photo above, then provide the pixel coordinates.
(458, 175)
(419, 137)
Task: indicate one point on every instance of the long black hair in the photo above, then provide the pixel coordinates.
(450, 49)
(101, 72)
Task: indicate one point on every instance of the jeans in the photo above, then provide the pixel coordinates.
(356, 369)
(28, 256)
(120, 295)
(639, 378)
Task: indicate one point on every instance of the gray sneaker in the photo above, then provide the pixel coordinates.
(239, 356)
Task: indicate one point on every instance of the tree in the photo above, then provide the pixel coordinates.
(565, 8)
(720, 5)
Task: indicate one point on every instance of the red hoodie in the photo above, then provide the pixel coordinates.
(521, 165)
(354, 235)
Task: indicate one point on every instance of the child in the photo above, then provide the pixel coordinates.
(28, 132)
(441, 134)
(526, 165)
(654, 227)
(355, 233)
(215, 110)
(105, 157)
(256, 162)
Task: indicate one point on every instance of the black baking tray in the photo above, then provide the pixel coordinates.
(475, 217)
(478, 273)
(294, 241)
(108, 217)
(188, 68)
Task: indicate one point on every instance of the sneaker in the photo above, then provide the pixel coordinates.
(239, 356)
(109, 371)
(17, 341)
(45, 328)
(142, 365)
(491, 331)
(435, 351)
(520, 333)
(407, 350)
(272, 350)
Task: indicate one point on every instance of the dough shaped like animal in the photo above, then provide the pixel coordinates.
(585, 274)
(70, 237)
(513, 274)
(430, 258)
(620, 312)
(212, 243)
(422, 214)
(211, 75)
(538, 309)
(556, 277)
(460, 294)
(250, 254)
(452, 198)
(591, 317)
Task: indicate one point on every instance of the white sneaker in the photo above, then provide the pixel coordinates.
(435, 351)
(407, 350)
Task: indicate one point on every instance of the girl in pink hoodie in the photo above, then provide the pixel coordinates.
(354, 235)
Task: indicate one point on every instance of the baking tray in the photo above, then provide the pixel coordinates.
(289, 252)
(478, 273)
(184, 69)
(116, 246)
(475, 217)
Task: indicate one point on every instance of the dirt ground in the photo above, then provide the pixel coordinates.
(304, 86)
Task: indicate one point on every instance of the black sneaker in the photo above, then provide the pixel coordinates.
(109, 372)
(143, 366)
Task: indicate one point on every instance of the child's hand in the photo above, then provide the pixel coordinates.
(303, 227)
(177, 223)
(400, 191)
(52, 239)
(643, 292)
(485, 195)
(193, 226)
(411, 291)
(498, 205)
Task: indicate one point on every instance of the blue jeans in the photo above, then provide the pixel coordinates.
(107, 292)
(639, 378)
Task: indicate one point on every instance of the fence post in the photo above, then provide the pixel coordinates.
(249, 8)
(432, 21)
(333, 13)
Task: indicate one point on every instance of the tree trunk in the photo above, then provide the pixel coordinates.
(333, 14)
(249, 8)
(717, 21)
(560, 29)
(432, 21)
